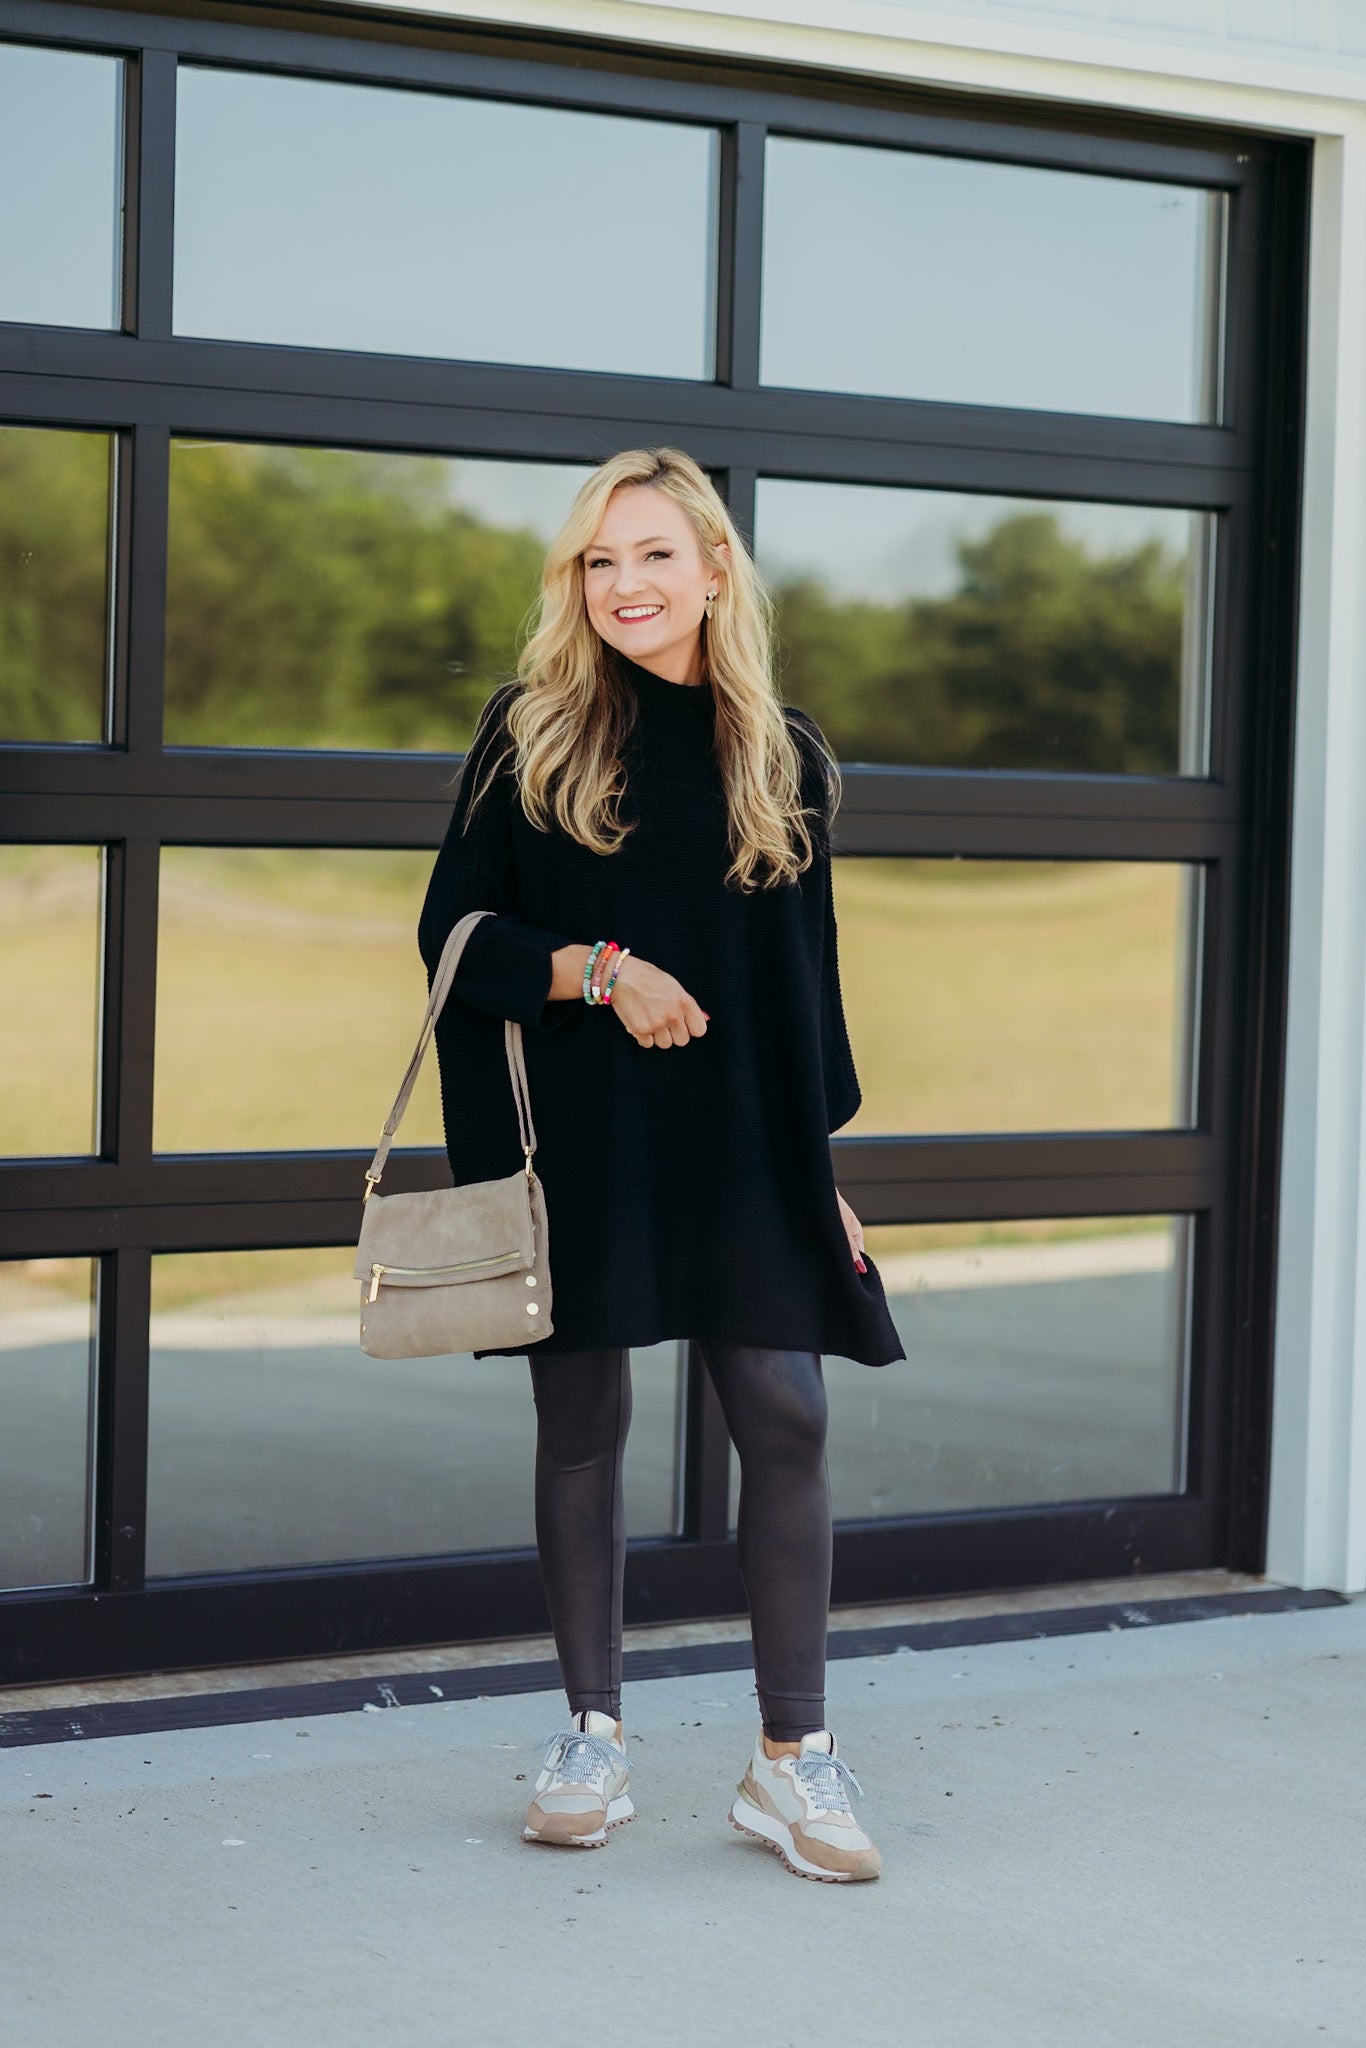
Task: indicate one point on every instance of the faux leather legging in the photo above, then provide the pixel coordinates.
(774, 1403)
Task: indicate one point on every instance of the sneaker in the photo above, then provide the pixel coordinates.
(582, 1789)
(799, 1806)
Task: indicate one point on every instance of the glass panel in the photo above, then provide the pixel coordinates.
(324, 597)
(289, 992)
(51, 930)
(914, 276)
(56, 491)
(47, 1377)
(61, 148)
(1019, 995)
(273, 1440)
(1047, 1363)
(943, 630)
(328, 215)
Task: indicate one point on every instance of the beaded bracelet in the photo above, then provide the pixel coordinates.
(613, 972)
(588, 967)
(601, 968)
(598, 956)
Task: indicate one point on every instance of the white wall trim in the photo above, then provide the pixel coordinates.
(1318, 1489)
(1203, 81)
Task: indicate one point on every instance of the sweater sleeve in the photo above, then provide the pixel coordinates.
(843, 1095)
(506, 968)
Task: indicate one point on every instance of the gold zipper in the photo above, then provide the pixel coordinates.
(435, 1272)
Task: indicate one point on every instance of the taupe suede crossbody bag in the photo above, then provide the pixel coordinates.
(455, 1269)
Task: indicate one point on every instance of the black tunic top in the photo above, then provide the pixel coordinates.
(689, 1189)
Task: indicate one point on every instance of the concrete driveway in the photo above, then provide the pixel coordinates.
(1113, 1841)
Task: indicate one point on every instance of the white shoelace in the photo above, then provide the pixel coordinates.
(579, 1759)
(825, 1778)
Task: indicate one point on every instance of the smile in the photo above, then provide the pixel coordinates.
(631, 612)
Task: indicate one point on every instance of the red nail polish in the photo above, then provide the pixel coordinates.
(859, 1263)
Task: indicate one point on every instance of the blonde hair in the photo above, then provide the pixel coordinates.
(572, 712)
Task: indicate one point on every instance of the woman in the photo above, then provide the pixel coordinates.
(651, 827)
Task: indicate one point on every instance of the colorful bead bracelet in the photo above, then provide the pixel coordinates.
(601, 969)
(596, 979)
(589, 964)
(611, 980)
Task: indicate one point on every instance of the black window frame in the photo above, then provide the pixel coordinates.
(147, 386)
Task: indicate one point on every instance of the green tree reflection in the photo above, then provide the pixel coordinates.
(333, 598)
(326, 598)
(54, 576)
(1044, 656)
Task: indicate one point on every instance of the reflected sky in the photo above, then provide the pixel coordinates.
(941, 278)
(314, 212)
(883, 543)
(529, 496)
(535, 496)
(61, 146)
(328, 215)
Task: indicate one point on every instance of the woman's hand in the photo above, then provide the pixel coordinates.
(655, 1009)
(853, 1230)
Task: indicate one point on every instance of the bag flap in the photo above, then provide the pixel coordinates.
(473, 1232)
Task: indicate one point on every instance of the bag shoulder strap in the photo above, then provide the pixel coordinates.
(512, 1043)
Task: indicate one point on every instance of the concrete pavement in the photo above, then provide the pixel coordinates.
(1114, 1841)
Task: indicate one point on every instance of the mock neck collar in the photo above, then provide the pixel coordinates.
(652, 689)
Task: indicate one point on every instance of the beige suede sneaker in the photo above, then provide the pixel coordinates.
(583, 1786)
(799, 1807)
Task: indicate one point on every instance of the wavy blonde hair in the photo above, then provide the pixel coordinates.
(572, 712)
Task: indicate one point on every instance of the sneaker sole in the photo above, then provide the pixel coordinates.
(761, 1827)
(618, 1813)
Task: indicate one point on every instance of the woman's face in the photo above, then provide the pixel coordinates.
(645, 582)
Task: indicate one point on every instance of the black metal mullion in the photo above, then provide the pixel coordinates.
(1243, 282)
(1217, 1352)
(941, 837)
(249, 1200)
(146, 592)
(62, 774)
(706, 1456)
(995, 1201)
(129, 1013)
(1263, 985)
(121, 1420)
(1223, 1021)
(207, 821)
(1226, 639)
(150, 170)
(820, 451)
(740, 491)
(739, 256)
(436, 405)
(1209, 1358)
(128, 1006)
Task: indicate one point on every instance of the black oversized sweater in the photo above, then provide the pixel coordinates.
(689, 1189)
